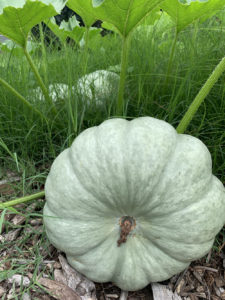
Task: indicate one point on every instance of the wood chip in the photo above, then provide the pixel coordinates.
(161, 292)
(58, 290)
(206, 268)
(114, 296)
(12, 235)
(77, 282)
(2, 291)
(180, 286)
(35, 222)
(26, 297)
(58, 275)
(123, 295)
(198, 276)
(57, 265)
(19, 280)
(18, 220)
(219, 282)
(201, 295)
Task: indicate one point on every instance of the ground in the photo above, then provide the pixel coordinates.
(31, 268)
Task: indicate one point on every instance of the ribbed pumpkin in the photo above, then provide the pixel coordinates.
(133, 202)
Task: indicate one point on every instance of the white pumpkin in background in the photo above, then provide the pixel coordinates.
(98, 87)
(57, 91)
(133, 202)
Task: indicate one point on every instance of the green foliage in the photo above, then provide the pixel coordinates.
(185, 14)
(125, 15)
(84, 9)
(70, 29)
(12, 47)
(18, 17)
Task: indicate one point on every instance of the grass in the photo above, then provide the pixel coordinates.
(28, 145)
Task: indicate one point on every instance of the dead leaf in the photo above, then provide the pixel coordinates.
(58, 290)
(2, 291)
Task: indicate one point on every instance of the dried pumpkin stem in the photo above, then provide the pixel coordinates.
(126, 224)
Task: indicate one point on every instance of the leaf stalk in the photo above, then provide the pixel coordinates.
(202, 94)
(123, 72)
(22, 200)
(39, 80)
(22, 99)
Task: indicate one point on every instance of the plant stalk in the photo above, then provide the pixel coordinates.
(86, 42)
(44, 65)
(21, 200)
(202, 94)
(19, 96)
(39, 80)
(123, 72)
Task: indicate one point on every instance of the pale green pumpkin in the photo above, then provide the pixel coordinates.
(143, 170)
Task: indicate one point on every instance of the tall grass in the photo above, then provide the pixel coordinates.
(198, 50)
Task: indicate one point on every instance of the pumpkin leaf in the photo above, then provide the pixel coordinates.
(84, 9)
(109, 26)
(125, 15)
(17, 17)
(70, 29)
(185, 14)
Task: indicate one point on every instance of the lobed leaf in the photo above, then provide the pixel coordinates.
(84, 9)
(17, 17)
(70, 29)
(185, 14)
(124, 15)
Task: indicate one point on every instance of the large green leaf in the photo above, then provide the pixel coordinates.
(84, 8)
(17, 17)
(124, 15)
(70, 29)
(185, 14)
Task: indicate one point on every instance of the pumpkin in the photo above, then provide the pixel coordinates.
(98, 86)
(133, 202)
(57, 91)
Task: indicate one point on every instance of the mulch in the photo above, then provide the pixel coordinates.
(204, 279)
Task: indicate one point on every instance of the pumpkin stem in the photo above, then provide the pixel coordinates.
(126, 224)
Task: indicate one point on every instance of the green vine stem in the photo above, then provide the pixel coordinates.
(22, 200)
(41, 83)
(19, 96)
(170, 63)
(202, 94)
(123, 71)
(44, 65)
